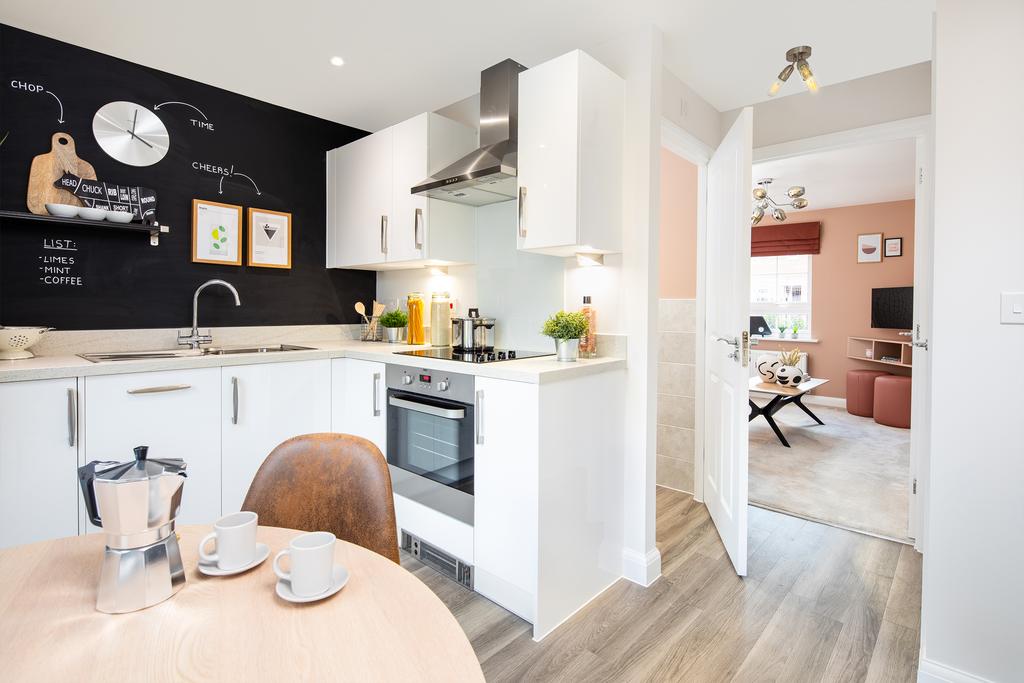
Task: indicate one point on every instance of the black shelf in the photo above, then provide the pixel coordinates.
(153, 230)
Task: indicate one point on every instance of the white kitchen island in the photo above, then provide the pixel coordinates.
(546, 534)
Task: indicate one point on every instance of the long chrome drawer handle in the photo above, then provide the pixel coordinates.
(450, 413)
(160, 390)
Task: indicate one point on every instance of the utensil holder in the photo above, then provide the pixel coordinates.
(378, 331)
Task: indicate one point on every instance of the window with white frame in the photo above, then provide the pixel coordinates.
(780, 290)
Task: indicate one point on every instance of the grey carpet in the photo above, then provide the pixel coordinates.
(852, 471)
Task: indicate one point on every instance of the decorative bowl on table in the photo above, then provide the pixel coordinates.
(15, 341)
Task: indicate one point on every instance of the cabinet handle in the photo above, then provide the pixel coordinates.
(383, 234)
(159, 390)
(417, 228)
(522, 205)
(376, 394)
(72, 416)
(234, 400)
(478, 416)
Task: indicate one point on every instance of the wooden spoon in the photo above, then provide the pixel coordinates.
(378, 308)
(361, 310)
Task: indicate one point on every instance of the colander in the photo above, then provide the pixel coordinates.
(14, 341)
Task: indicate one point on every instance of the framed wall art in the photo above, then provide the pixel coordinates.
(893, 246)
(270, 239)
(869, 248)
(216, 233)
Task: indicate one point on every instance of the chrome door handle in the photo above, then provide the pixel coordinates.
(160, 390)
(376, 394)
(383, 234)
(449, 413)
(522, 203)
(234, 400)
(417, 231)
(478, 417)
(919, 343)
(72, 416)
(731, 341)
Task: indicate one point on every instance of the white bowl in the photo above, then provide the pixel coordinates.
(62, 210)
(14, 341)
(91, 214)
(119, 216)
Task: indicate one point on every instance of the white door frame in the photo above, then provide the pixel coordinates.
(687, 146)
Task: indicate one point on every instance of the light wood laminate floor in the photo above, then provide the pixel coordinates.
(819, 604)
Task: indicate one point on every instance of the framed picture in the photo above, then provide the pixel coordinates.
(869, 248)
(893, 246)
(270, 238)
(216, 233)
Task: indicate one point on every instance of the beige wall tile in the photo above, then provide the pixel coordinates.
(675, 411)
(677, 347)
(675, 442)
(675, 474)
(676, 379)
(677, 315)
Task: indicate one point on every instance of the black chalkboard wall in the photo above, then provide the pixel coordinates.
(125, 282)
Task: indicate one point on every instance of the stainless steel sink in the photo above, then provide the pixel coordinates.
(189, 353)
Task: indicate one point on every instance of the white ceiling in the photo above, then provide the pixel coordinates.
(408, 56)
(866, 174)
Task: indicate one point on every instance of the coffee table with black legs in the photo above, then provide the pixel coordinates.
(782, 396)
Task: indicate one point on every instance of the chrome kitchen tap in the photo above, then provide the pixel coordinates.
(194, 339)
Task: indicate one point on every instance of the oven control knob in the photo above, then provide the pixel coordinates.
(442, 385)
(406, 379)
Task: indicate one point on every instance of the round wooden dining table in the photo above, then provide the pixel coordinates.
(384, 625)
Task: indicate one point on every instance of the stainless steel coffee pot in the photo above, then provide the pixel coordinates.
(136, 503)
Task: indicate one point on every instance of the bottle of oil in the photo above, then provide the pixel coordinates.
(588, 344)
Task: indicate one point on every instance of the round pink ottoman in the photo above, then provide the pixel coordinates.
(860, 391)
(892, 401)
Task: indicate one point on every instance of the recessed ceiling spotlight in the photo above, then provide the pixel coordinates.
(337, 61)
(797, 58)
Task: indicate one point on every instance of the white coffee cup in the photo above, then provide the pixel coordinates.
(312, 560)
(235, 537)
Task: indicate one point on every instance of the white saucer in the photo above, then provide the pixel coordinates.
(338, 581)
(262, 553)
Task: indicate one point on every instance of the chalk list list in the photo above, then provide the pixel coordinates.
(57, 264)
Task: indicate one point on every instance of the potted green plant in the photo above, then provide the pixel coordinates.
(393, 323)
(566, 328)
(796, 329)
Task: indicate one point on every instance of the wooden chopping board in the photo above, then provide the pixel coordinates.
(47, 168)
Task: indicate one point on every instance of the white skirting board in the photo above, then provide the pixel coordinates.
(929, 671)
(830, 401)
(640, 568)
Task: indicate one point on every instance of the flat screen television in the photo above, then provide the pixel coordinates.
(892, 308)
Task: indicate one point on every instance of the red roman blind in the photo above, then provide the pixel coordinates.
(785, 239)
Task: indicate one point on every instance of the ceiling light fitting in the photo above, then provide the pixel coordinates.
(764, 203)
(797, 58)
(337, 61)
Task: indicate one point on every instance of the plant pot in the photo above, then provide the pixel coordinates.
(794, 335)
(768, 367)
(790, 376)
(393, 335)
(568, 350)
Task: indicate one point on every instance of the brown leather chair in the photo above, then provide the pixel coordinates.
(328, 482)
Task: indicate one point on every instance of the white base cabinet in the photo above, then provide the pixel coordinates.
(38, 460)
(374, 222)
(176, 413)
(570, 157)
(359, 397)
(262, 406)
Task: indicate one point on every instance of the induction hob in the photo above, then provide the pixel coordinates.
(482, 356)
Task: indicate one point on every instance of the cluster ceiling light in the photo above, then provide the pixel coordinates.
(763, 202)
(797, 58)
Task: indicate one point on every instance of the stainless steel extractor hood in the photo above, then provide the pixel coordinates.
(488, 175)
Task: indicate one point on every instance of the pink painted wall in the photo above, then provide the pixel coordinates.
(841, 287)
(677, 254)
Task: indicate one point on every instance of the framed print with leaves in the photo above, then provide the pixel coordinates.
(216, 233)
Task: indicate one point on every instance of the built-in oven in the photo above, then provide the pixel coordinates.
(430, 417)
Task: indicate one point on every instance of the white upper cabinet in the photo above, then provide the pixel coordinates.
(38, 460)
(570, 157)
(263, 405)
(374, 222)
(176, 413)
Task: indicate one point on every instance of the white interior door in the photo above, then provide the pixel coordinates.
(726, 346)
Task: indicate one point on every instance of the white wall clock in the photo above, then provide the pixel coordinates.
(130, 133)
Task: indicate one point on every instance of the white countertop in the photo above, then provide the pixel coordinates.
(532, 370)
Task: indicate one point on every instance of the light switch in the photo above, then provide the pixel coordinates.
(1012, 308)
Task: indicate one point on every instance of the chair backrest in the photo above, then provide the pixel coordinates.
(328, 482)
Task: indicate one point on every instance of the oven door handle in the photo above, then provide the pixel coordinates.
(450, 413)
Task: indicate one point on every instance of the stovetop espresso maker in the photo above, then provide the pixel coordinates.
(136, 503)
